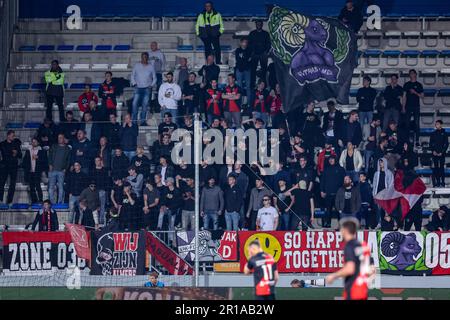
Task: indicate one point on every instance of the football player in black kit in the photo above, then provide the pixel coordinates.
(357, 263)
(265, 271)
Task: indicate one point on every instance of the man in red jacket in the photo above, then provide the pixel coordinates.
(86, 97)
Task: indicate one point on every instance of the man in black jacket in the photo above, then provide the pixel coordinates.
(243, 69)
(330, 182)
(11, 153)
(351, 131)
(46, 218)
(119, 164)
(366, 98)
(351, 16)
(78, 181)
(34, 163)
(332, 122)
(100, 175)
(259, 42)
(234, 199)
(210, 71)
(439, 146)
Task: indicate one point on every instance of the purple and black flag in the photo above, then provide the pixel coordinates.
(314, 57)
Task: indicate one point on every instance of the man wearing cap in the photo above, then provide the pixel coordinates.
(91, 196)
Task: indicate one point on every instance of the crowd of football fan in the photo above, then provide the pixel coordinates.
(327, 160)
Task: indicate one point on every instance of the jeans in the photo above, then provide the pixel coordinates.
(211, 42)
(354, 175)
(285, 221)
(130, 154)
(245, 77)
(365, 117)
(73, 204)
(263, 116)
(141, 98)
(173, 112)
(188, 218)
(102, 196)
(390, 114)
(367, 155)
(56, 180)
(232, 220)
(211, 215)
(234, 118)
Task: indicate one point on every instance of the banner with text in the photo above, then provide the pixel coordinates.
(118, 253)
(401, 253)
(39, 252)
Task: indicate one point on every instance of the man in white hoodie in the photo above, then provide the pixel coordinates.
(382, 179)
(158, 60)
(168, 97)
(143, 78)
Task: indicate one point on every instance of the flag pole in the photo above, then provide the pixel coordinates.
(197, 148)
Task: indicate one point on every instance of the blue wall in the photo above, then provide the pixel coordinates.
(57, 8)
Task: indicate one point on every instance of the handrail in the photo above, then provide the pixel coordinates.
(9, 12)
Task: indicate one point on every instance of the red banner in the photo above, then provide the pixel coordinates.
(228, 246)
(167, 257)
(39, 252)
(297, 251)
(80, 239)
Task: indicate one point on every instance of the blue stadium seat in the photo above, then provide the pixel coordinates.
(102, 47)
(46, 48)
(95, 86)
(372, 53)
(125, 15)
(445, 53)
(411, 53)
(14, 125)
(32, 125)
(21, 86)
(122, 47)
(426, 131)
(319, 213)
(226, 48)
(444, 93)
(107, 15)
(200, 48)
(36, 206)
(61, 206)
(4, 206)
(85, 48)
(430, 53)
(65, 47)
(20, 206)
(27, 48)
(429, 92)
(391, 53)
(427, 213)
(77, 86)
(38, 86)
(424, 171)
(185, 48)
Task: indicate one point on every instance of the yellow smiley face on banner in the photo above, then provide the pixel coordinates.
(269, 244)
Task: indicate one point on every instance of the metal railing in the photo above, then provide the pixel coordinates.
(9, 12)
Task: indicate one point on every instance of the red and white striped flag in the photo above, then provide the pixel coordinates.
(407, 196)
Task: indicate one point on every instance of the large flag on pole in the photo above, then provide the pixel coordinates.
(80, 239)
(406, 191)
(314, 57)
